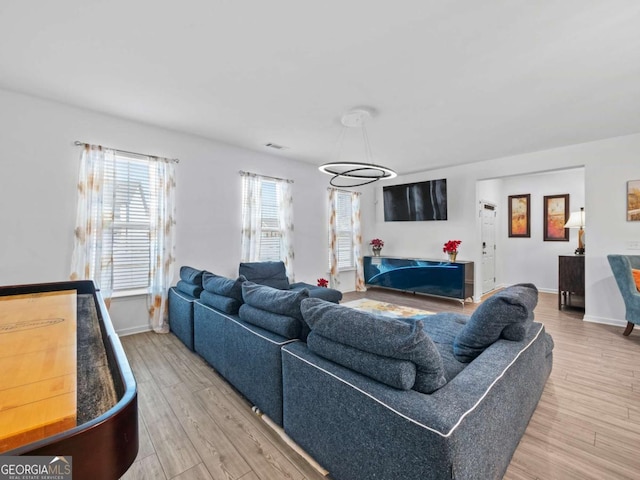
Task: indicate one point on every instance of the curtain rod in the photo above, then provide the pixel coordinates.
(341, 190)
(251, 174)
(174, 160)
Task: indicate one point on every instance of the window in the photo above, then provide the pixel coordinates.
(344, 230)
(126, 206)
(271, 232)
(124, 236)
(267, 220)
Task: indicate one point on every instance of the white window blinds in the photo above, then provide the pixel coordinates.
(344, 230)
(127, 203)
(270, 239)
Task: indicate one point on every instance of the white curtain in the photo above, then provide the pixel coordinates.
(88, 260)
(334, 278)
(251, 218)
(162, 241)
(357, 241)
(285, 198)
(93, 255)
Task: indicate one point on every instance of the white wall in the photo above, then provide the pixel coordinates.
(38, 196)
(608, 165)
(532, 259)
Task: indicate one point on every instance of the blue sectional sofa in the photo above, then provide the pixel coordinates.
(439, 396)
(483, 390)
(240, 328)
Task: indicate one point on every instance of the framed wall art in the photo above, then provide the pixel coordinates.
(520, 215)
(556, 214)
(633, 201)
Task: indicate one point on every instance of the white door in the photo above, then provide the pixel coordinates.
(488, 216)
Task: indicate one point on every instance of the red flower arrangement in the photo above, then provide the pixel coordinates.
(323, 282)
(376, 243)
(451, 246)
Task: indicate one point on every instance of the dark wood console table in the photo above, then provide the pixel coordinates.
(431, 277)
(570, 279)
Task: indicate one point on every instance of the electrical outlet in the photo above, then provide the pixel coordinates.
(633, 245)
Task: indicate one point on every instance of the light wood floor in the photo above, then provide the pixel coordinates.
(587, 424)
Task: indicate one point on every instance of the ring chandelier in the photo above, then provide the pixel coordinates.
(356, 174)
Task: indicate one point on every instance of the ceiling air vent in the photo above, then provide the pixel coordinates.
(275, 146)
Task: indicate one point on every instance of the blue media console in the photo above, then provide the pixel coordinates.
(431, 277)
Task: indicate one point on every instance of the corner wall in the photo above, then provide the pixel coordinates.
(608, 165)
(38, 194)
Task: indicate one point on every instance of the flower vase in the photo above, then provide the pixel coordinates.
(376, 251)
(452, 256)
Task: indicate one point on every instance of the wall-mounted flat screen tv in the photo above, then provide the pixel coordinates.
(416, 202)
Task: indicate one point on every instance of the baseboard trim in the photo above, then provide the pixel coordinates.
(133, 330)
(606, 321)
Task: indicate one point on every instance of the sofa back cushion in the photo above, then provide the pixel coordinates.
(220, 302)
(394, 372)
(189, 288)
(402, 339)
(191, 275)
(272, 274)
(283, 325)
(507, 314)
(227, 287)
(283, 302)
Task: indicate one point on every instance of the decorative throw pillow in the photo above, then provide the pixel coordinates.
(271, 274)
(191, 275)
(636, 277)
(224, 286)
(507, 314)
(385, 336)
(283, 302)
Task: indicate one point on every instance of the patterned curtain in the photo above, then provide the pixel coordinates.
(285, 197)
(162, 239)
(357, 241)
(88, 260)
(334, 279)
(251, 218)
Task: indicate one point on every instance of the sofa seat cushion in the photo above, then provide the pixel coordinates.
(328, 294)
(394, 372)
(191, 275)
(220, 302)
(403, 339)
(189, 288)
(283, 325)
(224, 286)
(506, 314)
(271, 274)
(443, 328)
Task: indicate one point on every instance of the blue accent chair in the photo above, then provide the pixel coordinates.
(274, 274)
(621, 266)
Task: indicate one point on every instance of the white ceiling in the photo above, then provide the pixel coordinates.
(453, 81)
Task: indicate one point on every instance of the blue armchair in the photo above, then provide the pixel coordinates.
(274, 274)
(621, 266)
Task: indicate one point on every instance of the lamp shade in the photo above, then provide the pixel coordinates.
(576, 220)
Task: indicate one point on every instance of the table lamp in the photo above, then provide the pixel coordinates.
(576, 220)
